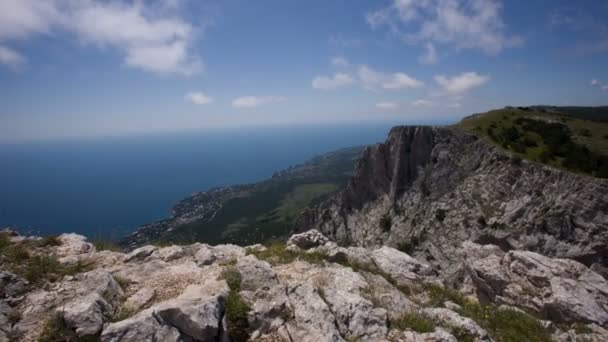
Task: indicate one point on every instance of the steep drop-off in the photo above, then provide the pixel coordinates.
(428, 189)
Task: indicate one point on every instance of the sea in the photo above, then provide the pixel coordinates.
(107, 187)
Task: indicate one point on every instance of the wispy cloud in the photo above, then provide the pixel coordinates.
(465, 24)
(198, 98)
(373, 80)
(151, 37)
(11, 58)
(387, 105)
(256, 101)
(336, 81)
(596, 83)
(461, 83)
(340, 62)
(422, 103)
(429, 56)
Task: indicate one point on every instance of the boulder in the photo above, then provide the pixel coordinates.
(140, 299)
(204, 256)
(85, 316)
(98, 297)
(140, 253)
(313, 320)
(255, 274)
(169, 253)
(11, 284)
(401, 267)
(561, 289)
(73, 244)
(270, 309)
(307, 240)
(173, 320)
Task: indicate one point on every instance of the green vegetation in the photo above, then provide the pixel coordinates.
(123, 313)
(50, 241)
(503, 325)
(276, 253)
(53, 332)
(21, 258)
(236, 307)
(266, 211)
(414, 321)
(554, 138)
(386, 222)
(106, 245)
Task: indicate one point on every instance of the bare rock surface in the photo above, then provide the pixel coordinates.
(319, 291)
(429, 189)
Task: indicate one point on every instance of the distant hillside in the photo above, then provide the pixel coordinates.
(585, 113)
(547, 135)
(252, 213)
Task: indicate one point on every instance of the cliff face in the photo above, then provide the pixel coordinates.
(428, 189)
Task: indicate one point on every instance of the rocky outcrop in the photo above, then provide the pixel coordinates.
(310, 290)
(426, 190)
(561, 290)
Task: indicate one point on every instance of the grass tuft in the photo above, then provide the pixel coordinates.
(414, 321)
(277, 254)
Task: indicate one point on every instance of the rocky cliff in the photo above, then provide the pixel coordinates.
(308, 289)
(428, 189)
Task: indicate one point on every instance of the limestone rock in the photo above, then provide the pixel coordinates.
(170, 253)
(73, 244)
(451, 319)
(140, 299)
(11, 284)
(140, 253)
(563, 290)
(174, 320)
(306, 240)
(255, 274)
(402, 268)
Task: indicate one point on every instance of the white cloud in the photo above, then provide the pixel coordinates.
(151, 36)
(340, 62)
(372, 80)
(337, 81)
(387, 105)
(429, 56)
(465, 24)
(599, 84)
(454, 105)
(198, 98)
(11, 58)
(461, 83)
(255, 101)
(422, 103)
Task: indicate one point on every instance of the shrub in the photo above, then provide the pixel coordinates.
(414, 321)
(386, 222)
(5, 241)
(276, 254)
(440, 215)
(233, 278)
(506, 325)
(585, 132)
(236, 307)
(50, 241)
(236, 315)
(106, 245)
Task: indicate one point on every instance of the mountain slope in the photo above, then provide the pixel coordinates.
(251, 213)
(428, 189)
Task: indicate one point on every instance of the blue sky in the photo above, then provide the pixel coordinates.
(110, 67)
